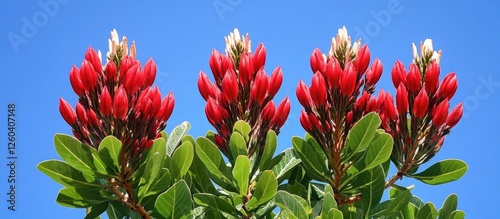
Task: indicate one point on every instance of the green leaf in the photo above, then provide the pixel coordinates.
(408, 212)
(458, 214)
(210, 155)
(181, 160)
(284, 162)
(75, 153)
(243, 128)
(379, 151)
(449, 205)
(269, 149)
(362, 133)
(65, 174)
(373, 192)
(116, 210)
(237, 145)
(265, 190)
(79, 197)
(153, 167)
(201, 178)
(212, 201)
(109, 152)
(399, 202)
(312, 161)
(442, 172)
(176, 136)
(428, 211)
(97, 210)
(328, 204)
(241, 173)
(335, 214)
(292, 204)
(175, 203)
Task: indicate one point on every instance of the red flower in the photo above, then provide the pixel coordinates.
(448, 86)
(455, 115)
(421, 104)
(413, 79)
(402, 99)
(441, 113)
(67, 112)
(432, 77)
(259, 57)
(373, 74)
(363, 59)
(398, 74)
(318, 90)
(120, 104)
(317, 61)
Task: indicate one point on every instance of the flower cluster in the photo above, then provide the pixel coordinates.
(420, 119)
(117, 99)
(335, 100)
(242, 91)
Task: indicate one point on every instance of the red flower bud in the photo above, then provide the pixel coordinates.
(375, 103)
(167, 106)
(230, 87)
(303, 95)
(432, 77)
(373, 74)
(259, 57)
(281, 114)
(402, 99)
(212, 110)
(361, 102)
(110, 71)
(92, 117)
(88, 76)
(448, 86)
(259, 88)
(149, 72)
(333, 72)
(441, 113)
(204, 86)
(413, 79)
(120, 104)
(362, 59)
(105, 102)
(304, 121)
(317, 61)
(245, 68)
(92, 56)
(455, 115)
(318, 90)
(421, 104)
(67, 112)
(216, 64)
(155, 97)
(398, 74)
(134, 80)
(315, 122)
(81, 114)
(267, 113)
(275, 82)
(127, 62)
(389, 109)
(76, 83)
(348, 80)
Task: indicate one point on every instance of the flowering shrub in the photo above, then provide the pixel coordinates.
(122, 162)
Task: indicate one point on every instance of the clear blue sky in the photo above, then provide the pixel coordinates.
(180, 37)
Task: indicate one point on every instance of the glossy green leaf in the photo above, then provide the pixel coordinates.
(372, 193)
(97, 210)
(408, 212)
(378, 152)
(201, 178)
(362, 133)
(265, 189)
(161, 183)
(428, 211)
(284, 163)
(79, 197)
(65, 174)
(399, 202)
(312, 161)
(237, 145)
(117, 210)
(292, 204)
(217, 203)
(176, 136)
(335, 214)
(442, 172)
(328, 204)
(210, 155)
(176, 202)
(241, 173)
(181, 160)
(109, 152)
(75, 153)
(243, 128)
(153, 167)
(449, 205)
(269, 149)
(458, 214)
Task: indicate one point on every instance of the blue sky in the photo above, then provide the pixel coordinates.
(180, 37)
